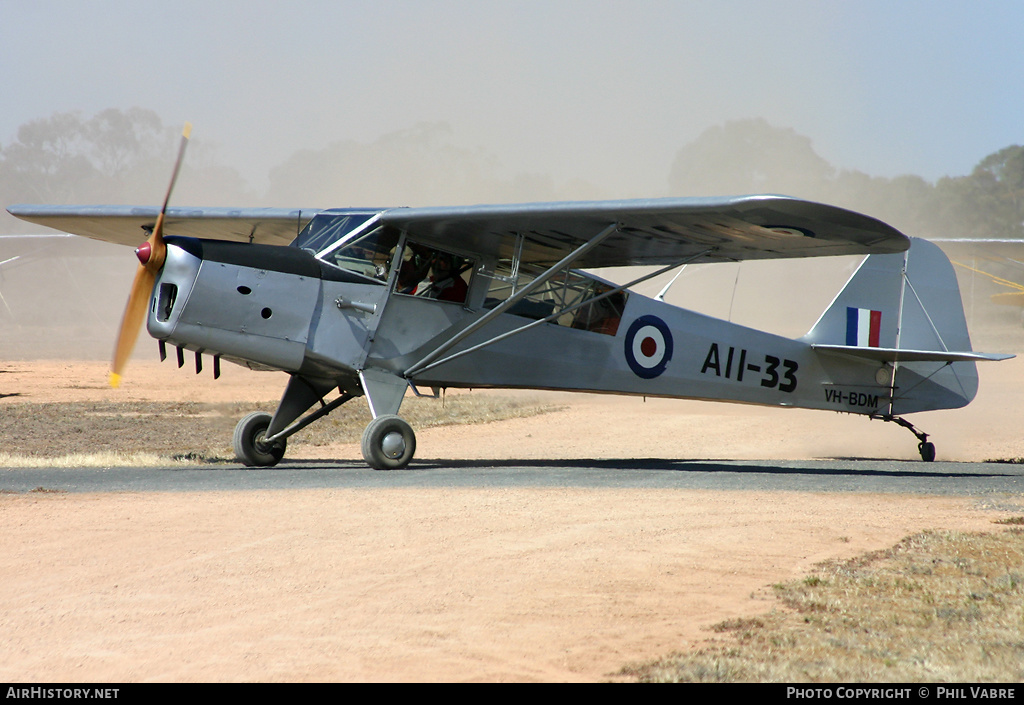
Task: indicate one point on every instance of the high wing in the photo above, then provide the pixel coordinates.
(130, 225)
(620, 233)
(654, 231)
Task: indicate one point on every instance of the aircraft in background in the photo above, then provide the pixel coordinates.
(374, 302)
(987, 256)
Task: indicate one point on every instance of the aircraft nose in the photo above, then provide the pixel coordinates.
(238, 300)
(172, 288)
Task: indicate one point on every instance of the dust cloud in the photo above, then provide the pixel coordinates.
(62, 297)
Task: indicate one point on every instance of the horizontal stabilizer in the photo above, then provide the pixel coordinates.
(903, 355)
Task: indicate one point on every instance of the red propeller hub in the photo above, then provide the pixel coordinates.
(144, 252)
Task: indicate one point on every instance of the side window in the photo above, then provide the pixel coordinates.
(433, 274)
(569, 299)
(603, 315)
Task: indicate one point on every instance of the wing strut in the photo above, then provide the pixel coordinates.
(512, 300)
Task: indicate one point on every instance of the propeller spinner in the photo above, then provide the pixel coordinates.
(151, 255)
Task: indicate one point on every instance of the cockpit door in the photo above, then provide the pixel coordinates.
(430, 289)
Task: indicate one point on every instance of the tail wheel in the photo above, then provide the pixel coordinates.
(250, 446)
(388, 443)
(927, 450)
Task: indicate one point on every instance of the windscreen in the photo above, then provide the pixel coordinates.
(327, 228)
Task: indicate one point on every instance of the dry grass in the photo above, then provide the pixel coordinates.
(937, 607)
(90, 460)
(102, 434)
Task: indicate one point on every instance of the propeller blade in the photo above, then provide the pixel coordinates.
(158, 250)
(185, 134)
(151, 254)
(131, 321)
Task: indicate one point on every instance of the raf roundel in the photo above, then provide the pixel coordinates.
(648, 346)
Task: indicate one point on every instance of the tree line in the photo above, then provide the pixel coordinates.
(123, 156)
(752, 156)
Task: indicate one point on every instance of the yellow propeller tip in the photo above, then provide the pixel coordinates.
(115, 380)
(187, 132)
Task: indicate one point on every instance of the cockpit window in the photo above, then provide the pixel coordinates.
(325, 229)
(369, 254)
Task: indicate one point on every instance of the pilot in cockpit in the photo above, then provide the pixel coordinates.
(445, 282)
(431, 274)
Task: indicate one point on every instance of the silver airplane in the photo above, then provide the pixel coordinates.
(375, 302)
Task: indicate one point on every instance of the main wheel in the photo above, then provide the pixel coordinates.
(388, 443)
(250, 446)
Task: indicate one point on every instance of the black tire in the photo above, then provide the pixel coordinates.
(388, 443)
(249, 446)
(927, 451)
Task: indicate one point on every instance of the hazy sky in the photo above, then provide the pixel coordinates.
(602, 91)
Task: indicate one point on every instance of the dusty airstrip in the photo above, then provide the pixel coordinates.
(497, 584)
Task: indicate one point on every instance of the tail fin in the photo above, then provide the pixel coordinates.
(904, 312)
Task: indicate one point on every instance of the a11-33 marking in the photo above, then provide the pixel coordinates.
(775, 373)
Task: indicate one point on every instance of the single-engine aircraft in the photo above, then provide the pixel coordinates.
(374, 302)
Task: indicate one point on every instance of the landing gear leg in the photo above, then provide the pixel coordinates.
(261, 439)
(924, 447)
